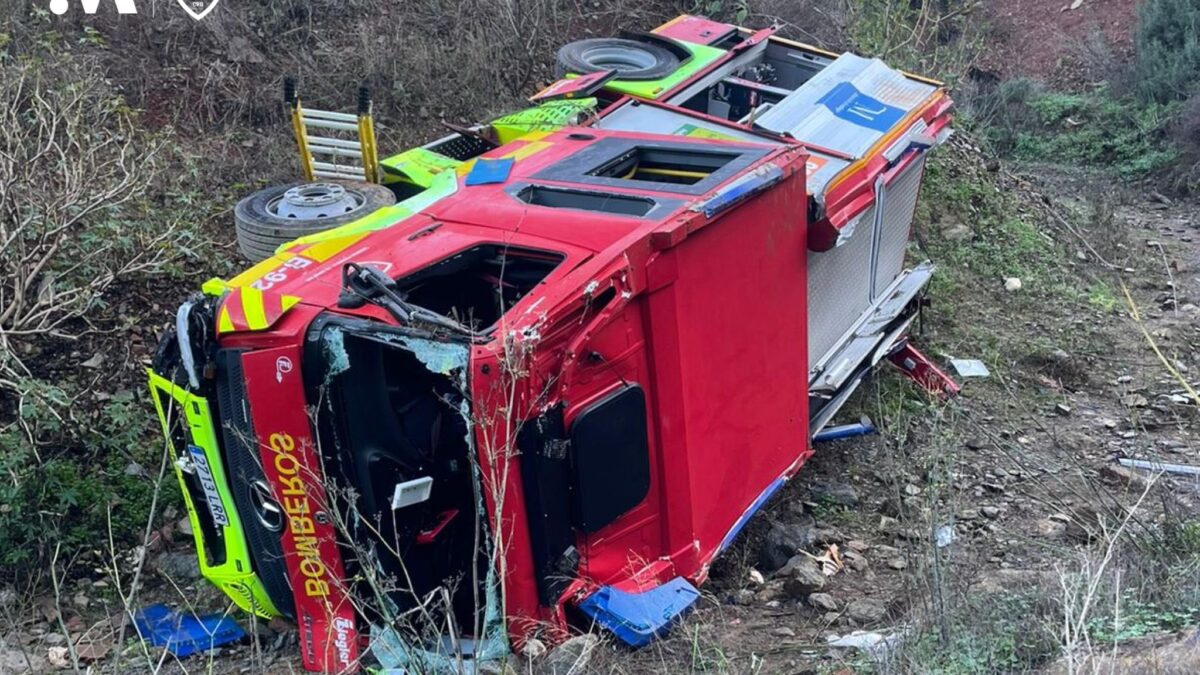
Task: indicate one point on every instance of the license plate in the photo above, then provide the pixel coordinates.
(211, 497)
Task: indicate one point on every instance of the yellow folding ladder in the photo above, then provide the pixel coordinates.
(348, 157)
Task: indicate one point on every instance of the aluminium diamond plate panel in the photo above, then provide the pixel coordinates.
(839, 288)
(899, 204)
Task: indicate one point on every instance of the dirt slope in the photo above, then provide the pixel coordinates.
(1068, 43)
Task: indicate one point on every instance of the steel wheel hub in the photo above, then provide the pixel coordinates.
(313, 201)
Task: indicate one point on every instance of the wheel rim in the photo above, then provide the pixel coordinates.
(314, 201)
(620, 59)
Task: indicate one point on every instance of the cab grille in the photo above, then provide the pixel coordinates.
(245, 470)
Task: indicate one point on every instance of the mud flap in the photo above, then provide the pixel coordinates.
(921, 370)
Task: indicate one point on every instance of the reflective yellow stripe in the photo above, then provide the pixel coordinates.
(326, 249)
(670, 23)
(527, 149)
(253, 308)
(258, 271)
(224, 322)
(288, 301)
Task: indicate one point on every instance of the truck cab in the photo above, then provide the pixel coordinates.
(551, 382)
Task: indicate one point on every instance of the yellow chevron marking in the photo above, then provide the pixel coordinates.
(254, 308)
(224, 322)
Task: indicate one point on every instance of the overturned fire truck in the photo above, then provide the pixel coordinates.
(540, 372)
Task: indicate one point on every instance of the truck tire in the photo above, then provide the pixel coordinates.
(276, 215)
(631, 59)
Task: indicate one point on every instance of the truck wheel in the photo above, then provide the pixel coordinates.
(279, 214)
(631, 59)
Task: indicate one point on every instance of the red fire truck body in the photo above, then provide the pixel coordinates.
(633, 354)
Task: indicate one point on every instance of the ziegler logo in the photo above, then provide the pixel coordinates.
(341, 640)
(197, 9)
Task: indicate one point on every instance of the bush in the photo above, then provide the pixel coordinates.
(1185, 134)
(940, 39)
(1094, 130)
(66, 491)
(74, 170)
(78, 222)
(1168, 50)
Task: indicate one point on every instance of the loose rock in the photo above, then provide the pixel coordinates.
(783, 541)
(856, 561)
(178, 565)
(827, 536)
(823, 601)
(1051, 529)
(805, 577)
(1121, 475)
(13, 660)
(829, 492)
(866, 610)
(976, 443)
(571, 656)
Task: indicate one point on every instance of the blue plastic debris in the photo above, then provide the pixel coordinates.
(637, 618)
(741, 189)
(489, 171)
(184, 634)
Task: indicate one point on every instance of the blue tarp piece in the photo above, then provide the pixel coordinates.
(637, 618)
(850, 104)
(184, 634)
(489, 171)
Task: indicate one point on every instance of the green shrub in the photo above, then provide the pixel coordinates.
(1167, 63)
(86, 220)
(940, 39)
(984, 634)
(1094, 130)
(63, 487)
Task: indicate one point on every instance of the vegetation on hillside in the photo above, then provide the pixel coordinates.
(1140, 122)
